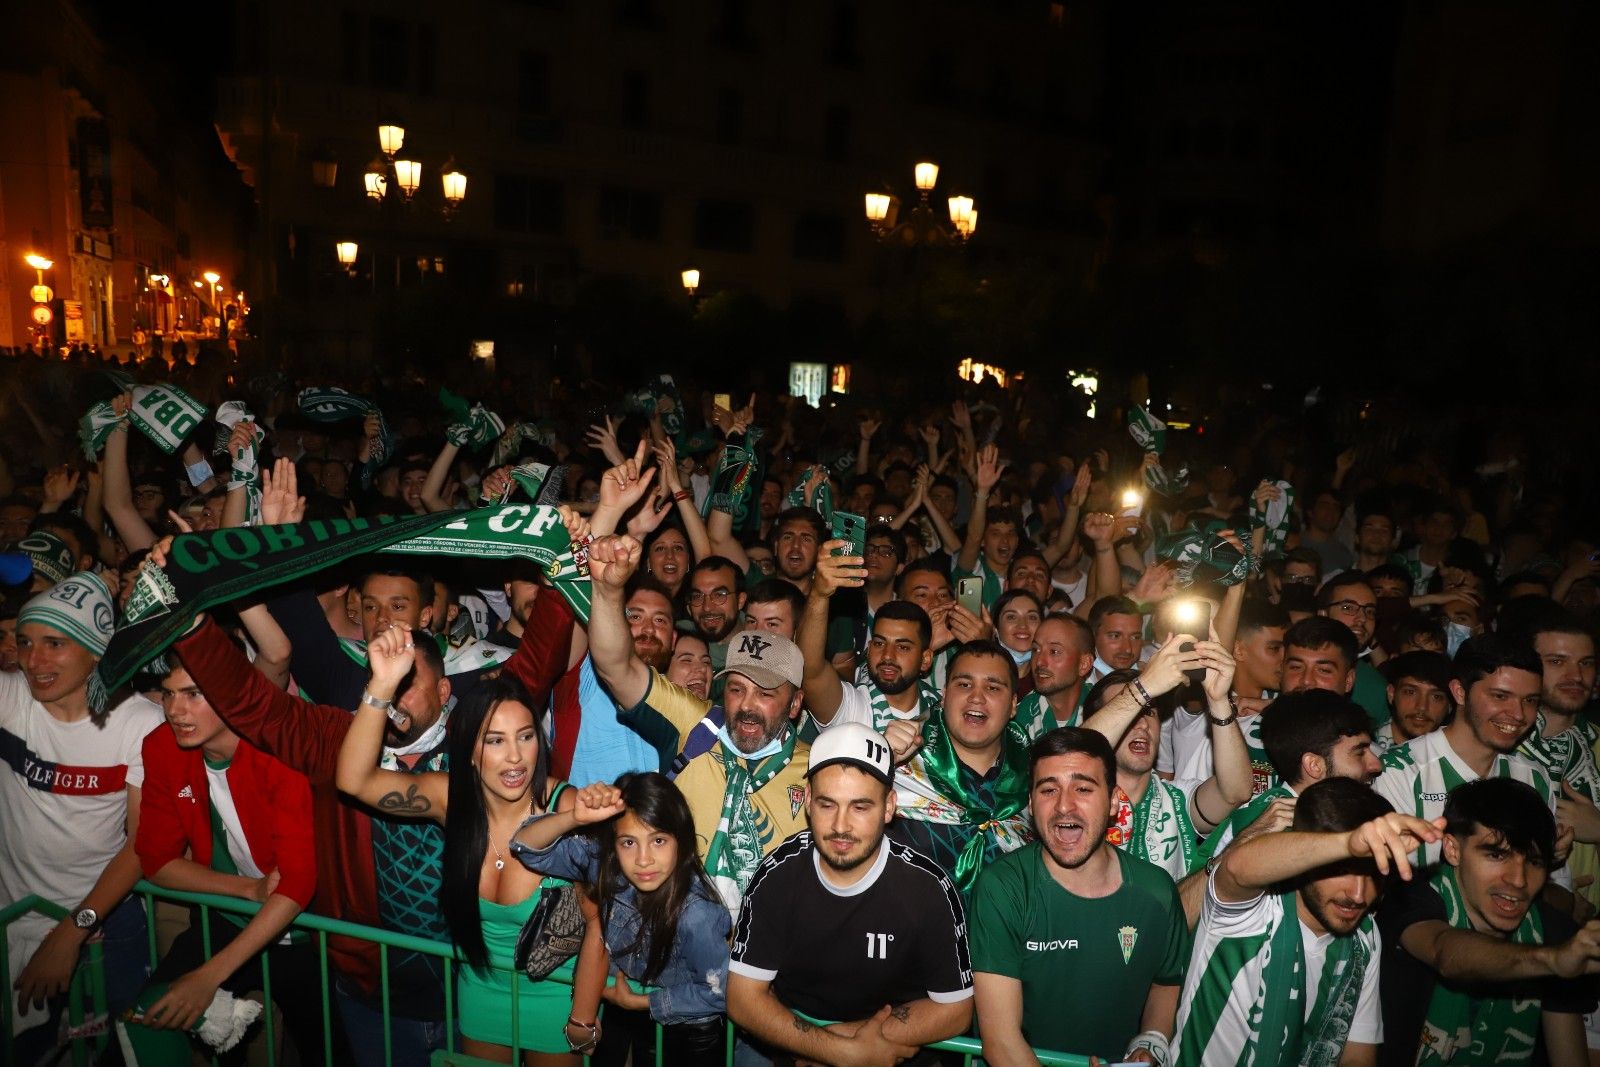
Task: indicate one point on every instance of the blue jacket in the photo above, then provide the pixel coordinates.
(693, 985)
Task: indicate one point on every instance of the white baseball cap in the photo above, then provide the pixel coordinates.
(856, 744)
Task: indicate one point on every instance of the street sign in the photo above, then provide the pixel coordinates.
(42, 294)
(42, 315)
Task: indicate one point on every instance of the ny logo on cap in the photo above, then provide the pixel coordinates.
(753, 645)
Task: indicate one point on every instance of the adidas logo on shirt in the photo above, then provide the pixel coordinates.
(186, 793)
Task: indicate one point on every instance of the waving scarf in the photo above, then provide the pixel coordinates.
(735, 848)
(1275, 517)
(244, 463)
(331, 404)
(734, 483)
(1157, 829)
(1147, 431)
(942, 796)
(1465, 1030)
(1189, 547)
(163, 413)
(470, 427)
(207, 569)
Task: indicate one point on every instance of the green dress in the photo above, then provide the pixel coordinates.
(486, 997)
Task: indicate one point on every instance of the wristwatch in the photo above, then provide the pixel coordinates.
(86, 919)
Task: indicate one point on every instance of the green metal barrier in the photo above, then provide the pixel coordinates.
(88, 984)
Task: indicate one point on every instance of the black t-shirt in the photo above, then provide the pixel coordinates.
(1406, 983)
(897, 935)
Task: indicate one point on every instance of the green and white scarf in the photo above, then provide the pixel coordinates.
(470, 427)
(1275, 518)
(822, 501)
(244, 463)
(163, 413)
(1157, 829)
(215, 567)
(1567, 756)
(882, 713)
(1189, 547)
(331, 404)
(735, 848)
(734, 483)
(931, 788)
(1147, 431)
(1168, 484)
(1466, 1030)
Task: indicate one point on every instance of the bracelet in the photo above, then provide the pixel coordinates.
(1141, 693)
(1233, 713)
(375, 702)
(681, 495)
(594, 1035)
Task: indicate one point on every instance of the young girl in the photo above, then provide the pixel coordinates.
(497, 780)
(1016, 616)
(664, 925)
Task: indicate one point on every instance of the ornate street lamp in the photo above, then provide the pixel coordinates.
(346, 251)
(408, 175)
(922, 225)
(455, 186)
(390, 139)
(691, 280)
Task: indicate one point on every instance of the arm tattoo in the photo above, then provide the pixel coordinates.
(901, 1012)
(801, 1025)
(411, 802)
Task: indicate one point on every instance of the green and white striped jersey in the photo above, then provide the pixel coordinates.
(1418, 776)
(1225, 989)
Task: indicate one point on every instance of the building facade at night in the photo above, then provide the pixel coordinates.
(632, 140)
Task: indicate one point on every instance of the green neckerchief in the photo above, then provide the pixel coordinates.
(211, 568)
(1465, 1030)
(1147, 828)
(944, 771)
(736, 847)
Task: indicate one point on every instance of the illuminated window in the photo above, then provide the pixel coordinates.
(975, 372)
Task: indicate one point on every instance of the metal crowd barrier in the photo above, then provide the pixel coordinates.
(86, 1000)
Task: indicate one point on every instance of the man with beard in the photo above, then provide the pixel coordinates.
(897, 657)
(991, 539)
(896, 973)
(1286, 951)
(1154, 819)
(1419, 698)
(716, 604)
(1063, 657)
(1496, 689)
(885, 559)
(1069, 914)
(1476, 965)
(962, 798)
(1347, 598)
(740, 765)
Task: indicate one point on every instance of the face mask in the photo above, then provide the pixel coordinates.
(1021, 659)
(1455, 635)
(772, 747)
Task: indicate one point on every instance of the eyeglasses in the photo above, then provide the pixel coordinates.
(1351, 607)
(879, 550)
(716, 596)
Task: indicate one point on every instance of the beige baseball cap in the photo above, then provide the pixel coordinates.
(766, 658)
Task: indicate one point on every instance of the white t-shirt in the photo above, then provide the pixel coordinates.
(855, 705)
(1227, 1023)
(1180, 735)
(63, 801)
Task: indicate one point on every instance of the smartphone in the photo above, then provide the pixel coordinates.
(969, 594)
(850, 527)
(1132, 503)
(1192, 615)
(723, 400)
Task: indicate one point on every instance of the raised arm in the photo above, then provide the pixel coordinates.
(433, 487)
(694, 527)
(1062, 543)
(621, 488)
(131, 527)
(1105, 577)
(823, 687)
(866, 427)
(612, 561)
(1160, 676)
(985, 476)
(1248, 868)
(1231, 781)
(391, 655)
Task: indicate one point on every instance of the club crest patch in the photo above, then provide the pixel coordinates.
(1127, 937)
(797, 799)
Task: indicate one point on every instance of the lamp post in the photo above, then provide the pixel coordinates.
(42, 294)
(691, 280)
(212, 278)
(346, 251)
(922, 226)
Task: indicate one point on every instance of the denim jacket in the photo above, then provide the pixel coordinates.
(693, 984)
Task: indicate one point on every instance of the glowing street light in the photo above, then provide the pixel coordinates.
(346, 251)
(455, 186)
(390, 138)
(691, 280)
(408, 173)
(923, 225)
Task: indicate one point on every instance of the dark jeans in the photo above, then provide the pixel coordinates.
(296, 986)
(125, 955)
(624, 1032)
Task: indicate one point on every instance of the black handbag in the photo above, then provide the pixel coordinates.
(553, 933)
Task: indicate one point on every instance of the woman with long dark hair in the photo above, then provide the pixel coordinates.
(665, 926)
(498, 778)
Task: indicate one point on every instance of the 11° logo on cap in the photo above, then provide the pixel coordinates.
(1127, 937)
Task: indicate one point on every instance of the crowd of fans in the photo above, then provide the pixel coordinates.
(865, 728)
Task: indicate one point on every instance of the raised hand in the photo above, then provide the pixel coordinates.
(1165, 670)
(280, 500)
(602, 437)
(868, 427)
(597, 802)
(390, 657)
(837, 572)
(59, 485)
(613, 559)
(1219, 667)
(622, 486)
(1081, 484)
(577, 525)
(1391, 838)
(986, 475)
